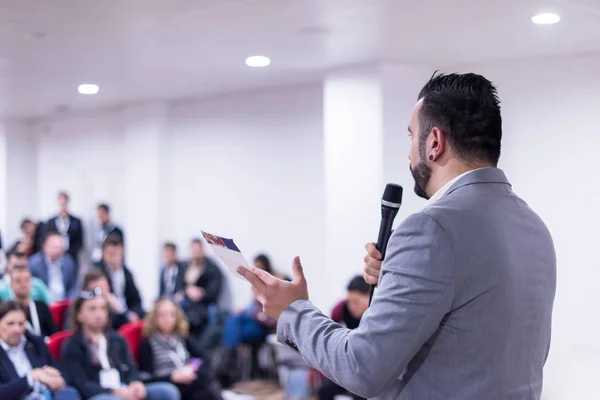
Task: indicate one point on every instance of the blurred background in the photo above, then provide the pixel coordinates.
(180, 131)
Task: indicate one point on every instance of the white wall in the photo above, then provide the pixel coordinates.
(550, 146)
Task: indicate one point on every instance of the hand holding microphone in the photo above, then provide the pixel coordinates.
(390, 204)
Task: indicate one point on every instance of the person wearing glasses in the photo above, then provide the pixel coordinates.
(99, 361)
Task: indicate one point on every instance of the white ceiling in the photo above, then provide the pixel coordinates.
(150, 49)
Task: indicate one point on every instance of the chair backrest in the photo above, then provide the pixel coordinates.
(58, 311)
(132, 332)
(56, 341)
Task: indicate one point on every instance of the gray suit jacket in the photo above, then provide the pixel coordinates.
(463, 308)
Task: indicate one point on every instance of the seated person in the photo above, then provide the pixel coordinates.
(28, 244)
(120, 278)
(39, 318)
(357, 302)
(251, 325)
(55, 268)
(27, 370)
(169, 356)
(95, 278)
(171, 274)
(99, 361)
(39, 290)
(202, 283)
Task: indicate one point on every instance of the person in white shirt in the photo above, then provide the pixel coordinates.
(104, 227)
(27, 369)
(172, 272)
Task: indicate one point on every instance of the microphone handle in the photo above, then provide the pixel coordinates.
(385, 232)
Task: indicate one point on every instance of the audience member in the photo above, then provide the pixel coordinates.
(202, 286)
(169, 356)
(172, 272)
(27, 370)
(68, 226)
(55, 268)
(250, 326)
(39, 290)
(120, 278)
(349, 313)
(29, 243)
(104, 227)
(39, 318)
(99, 360)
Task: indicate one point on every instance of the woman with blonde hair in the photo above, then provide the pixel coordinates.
(168, 355)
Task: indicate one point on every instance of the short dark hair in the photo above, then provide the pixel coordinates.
(264, 260)
(170, 245)
(358, 284)
(467, 109)
(26, 221)
(49, 234)
(104, 207)
(15, 254)
(197, 241)
(64, 194)
(112, 240)
(92, 276)
(9, 306)
(19, 268)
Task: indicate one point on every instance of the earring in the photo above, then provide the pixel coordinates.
(431, 157)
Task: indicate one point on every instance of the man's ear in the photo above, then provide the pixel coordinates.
(437, 144)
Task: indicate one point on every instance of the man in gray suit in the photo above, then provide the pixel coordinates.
(464, 301)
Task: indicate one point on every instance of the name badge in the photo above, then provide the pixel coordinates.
(110, 379)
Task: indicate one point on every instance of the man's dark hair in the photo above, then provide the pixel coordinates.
(50, 234)
(26, 221)
(171, 246)
(19, 268)
(92, 276)
(112, 240)
(467, 109)
(9, 306)
(197, 241)
(265, 261)
(64, 194)
(104, 207)
(16, 254)
(358, 284)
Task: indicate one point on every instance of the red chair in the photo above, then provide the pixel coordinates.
(58, 311)
(132, 332)
(56, 341)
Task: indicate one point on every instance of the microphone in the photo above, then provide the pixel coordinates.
(390, 204)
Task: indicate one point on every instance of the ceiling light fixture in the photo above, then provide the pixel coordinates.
(88, 88)
(545, 19)
(258, 61)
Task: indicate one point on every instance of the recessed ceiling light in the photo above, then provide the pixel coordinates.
(88, 88)
(258, 61)
(545, 19)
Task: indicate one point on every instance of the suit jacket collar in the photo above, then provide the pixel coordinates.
(481, 175)
(32, 355)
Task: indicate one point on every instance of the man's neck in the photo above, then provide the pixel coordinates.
(91, 334)
(23, 300)
(452, 170)
(63, 214)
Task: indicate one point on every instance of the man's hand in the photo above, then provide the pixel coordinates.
(49, 377)
(372, 267)
(275, 294)
(125, 393)
(194, 293)
(138, 389)
(114, 303)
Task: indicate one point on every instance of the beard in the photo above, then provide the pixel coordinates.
(421, 174)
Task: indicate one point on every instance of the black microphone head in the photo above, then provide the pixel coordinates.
(392, 196)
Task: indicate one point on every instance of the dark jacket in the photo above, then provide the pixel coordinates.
(85, 376)
(179, 280)
(211, 281)
(75, 233)
(132, 295)
(147, 359)
(47, 324)
(13, 387)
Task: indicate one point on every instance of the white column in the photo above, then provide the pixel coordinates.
(3, 183)
(353, 137)
(366, 144)
(144, 130)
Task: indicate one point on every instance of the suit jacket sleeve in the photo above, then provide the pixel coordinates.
(47, 323)
(214, 281)
(415, 291)
(71, 280)
(133, 299)
(15, 389)
(76, 240)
